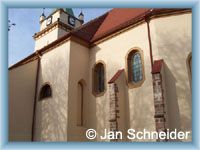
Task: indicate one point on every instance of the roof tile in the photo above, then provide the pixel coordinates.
(116, 18)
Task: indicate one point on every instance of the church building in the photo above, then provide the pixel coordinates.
(130, 68)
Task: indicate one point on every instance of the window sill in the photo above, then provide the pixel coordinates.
(132, 85)
(98, 94)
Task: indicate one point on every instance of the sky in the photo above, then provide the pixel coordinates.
(20, 40)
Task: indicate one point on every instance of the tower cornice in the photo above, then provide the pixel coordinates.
(57, 24)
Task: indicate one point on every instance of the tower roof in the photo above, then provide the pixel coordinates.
(67, 10)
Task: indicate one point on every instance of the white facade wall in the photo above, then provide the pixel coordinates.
(172, 41)
(79, 62)
(51, 113)
(47, 39)
(113, 53)
(21, 101)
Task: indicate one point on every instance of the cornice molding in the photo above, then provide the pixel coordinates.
(57, 24)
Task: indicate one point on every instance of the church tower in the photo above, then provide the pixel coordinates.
(54, 26)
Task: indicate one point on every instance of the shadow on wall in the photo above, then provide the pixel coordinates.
(99, 105)
(174, 47)
(123, 102)
(94, 118)
(51, 113)
(171, 100)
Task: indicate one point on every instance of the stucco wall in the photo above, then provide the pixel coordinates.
(123, 102)
(21, 100)
(79, 59)
(61, 33)
(170, 99)
(51, 113)
(113, 52)
(64, 19)
(171, 41)
(47, 39)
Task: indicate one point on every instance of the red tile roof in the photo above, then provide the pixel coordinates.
(115, 77)
(157, 66)
(108, 23)
(88, 30)
(116, 18)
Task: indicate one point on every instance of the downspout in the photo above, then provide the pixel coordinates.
(147, 19)
(35, 96)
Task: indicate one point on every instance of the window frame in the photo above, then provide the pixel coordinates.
(94, 91)
(129, 73)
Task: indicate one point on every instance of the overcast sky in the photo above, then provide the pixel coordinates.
(20, 41)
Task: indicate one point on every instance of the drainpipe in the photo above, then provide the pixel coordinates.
(35, 96)
(147, 19)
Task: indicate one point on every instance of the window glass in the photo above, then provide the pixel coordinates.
(45, 92)
(136, 67)
(98, 78)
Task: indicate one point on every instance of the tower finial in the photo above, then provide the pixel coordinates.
(42, 17)
(10, 24)
(43, 10)
(81, 16)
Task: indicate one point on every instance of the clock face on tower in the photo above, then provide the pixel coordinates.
(49, 21)
(71, 20)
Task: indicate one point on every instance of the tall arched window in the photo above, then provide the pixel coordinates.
(135, 68)
(80, 104)
(98, 78)
(45, 91)
(189, 66)
(136, 64)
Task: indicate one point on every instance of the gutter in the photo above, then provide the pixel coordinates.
(35, 96)
(147, 19)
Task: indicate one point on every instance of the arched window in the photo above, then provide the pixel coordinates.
(98, 78)
(135, 68)
(189, 66)
(45, 92)
(80, 104)
(136, 64)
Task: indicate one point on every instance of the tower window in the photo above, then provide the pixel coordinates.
(135, 68)
(98, 78)
(45, 92)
